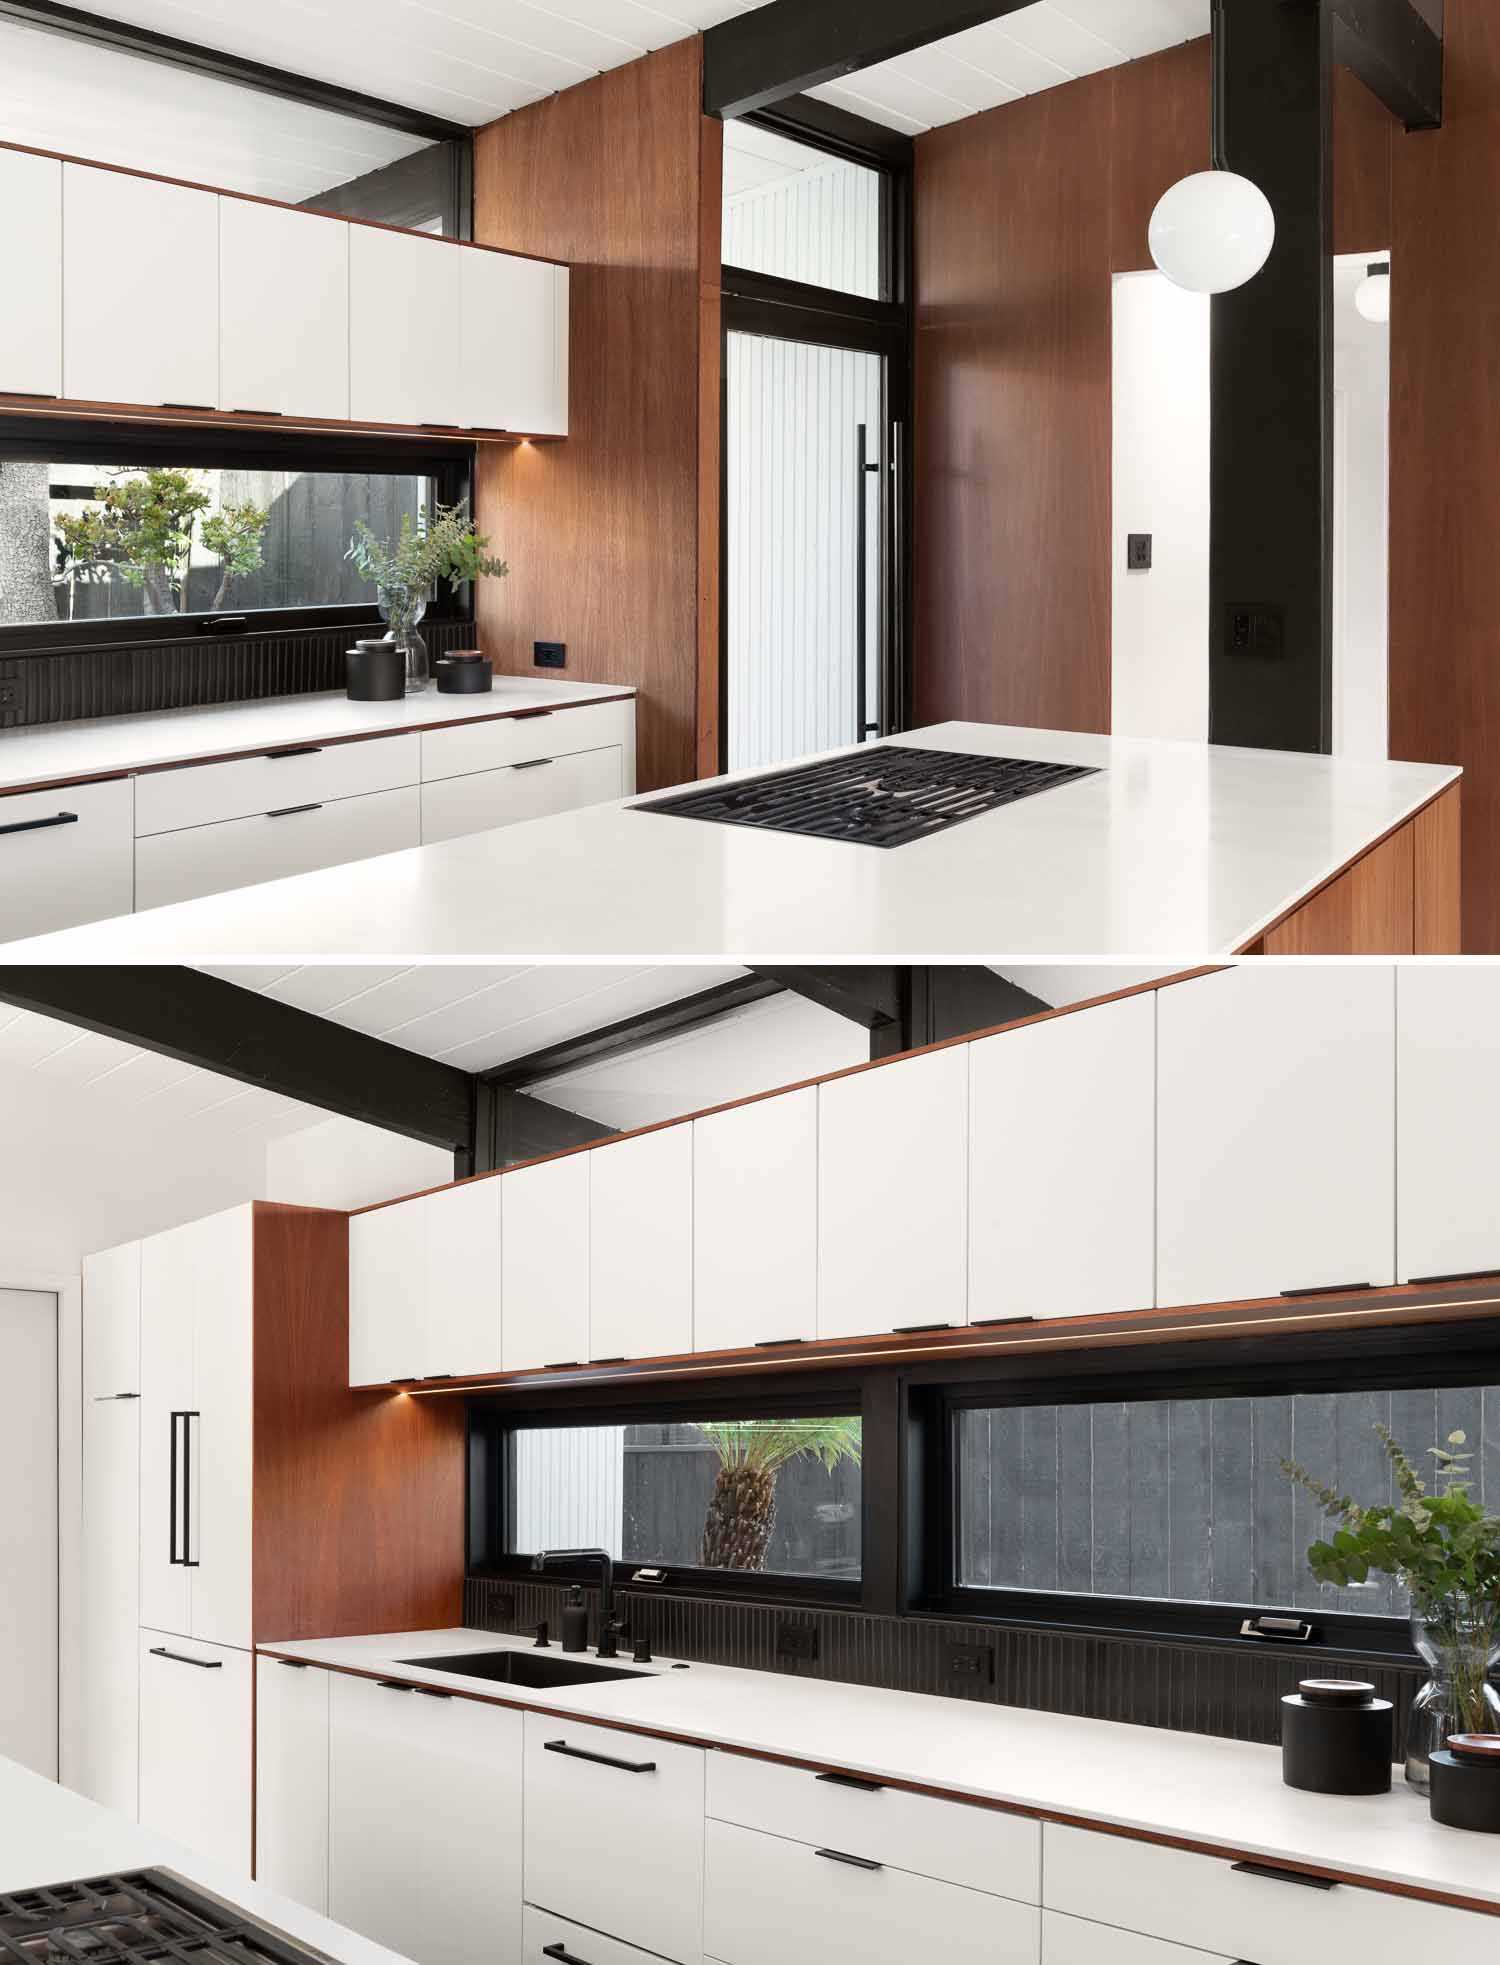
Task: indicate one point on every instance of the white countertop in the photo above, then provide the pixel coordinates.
(48, 1834)
(1173, 1785)
(1173, 851)
(105, 747)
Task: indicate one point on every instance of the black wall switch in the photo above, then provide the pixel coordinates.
(550, 654)
(1138, 552)
(797, 1641)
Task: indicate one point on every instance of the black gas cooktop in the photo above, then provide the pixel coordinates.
(137, 1915)
(888, 795)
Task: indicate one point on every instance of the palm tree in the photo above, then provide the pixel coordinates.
(752, 1452)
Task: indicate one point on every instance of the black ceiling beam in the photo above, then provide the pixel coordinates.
(791, 46)
(858, 139)
(631, 1033)
(256, 1040)
(873, 997)
(1396, 54)
(124, 38)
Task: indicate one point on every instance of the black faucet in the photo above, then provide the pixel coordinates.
(555, 1558)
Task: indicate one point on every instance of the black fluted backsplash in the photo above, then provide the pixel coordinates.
(1189, 1688)
(130, 677)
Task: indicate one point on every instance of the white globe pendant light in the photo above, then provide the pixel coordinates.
(1213, 231)
(1373, 294)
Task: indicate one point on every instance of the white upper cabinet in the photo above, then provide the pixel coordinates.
(112, 1322)
(755, 1223)
(31, 246)
(1062, 1122)
(140, 290)
(1447, 1095)
(405, 297)
(462, 1285)
(284, 307)
(892, 1193)
(641, 1246)
(513, 348)
(544, 1260)
(1276, 1132)
(387, 1295)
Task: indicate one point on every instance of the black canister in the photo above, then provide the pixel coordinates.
(1337, 1737)
(1465, 1791)
(377, 672)
(466, 672)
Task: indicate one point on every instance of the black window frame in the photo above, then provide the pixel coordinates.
(61, 440)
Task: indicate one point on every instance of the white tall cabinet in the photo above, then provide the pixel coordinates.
(108, 1766)
(1276, 1142)
(31, 236)
(1447, 1096)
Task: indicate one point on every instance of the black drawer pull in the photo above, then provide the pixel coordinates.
(177, 1658)
(918, 1330)
(293, 1664)
(1330, 1289)
(295, 750)
(599, 1759)
(1461, 1276)
(392, 1685)
(1273, 1875)
(776, 1343)
(290, 811)
(43, 825)
(113, 1398)
(853, 1781)
(999, 1323)
(563, 1955)
(853, 1862)
(432, 1692)
(533, 763)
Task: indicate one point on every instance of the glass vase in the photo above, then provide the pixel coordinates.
(403, 610)
(1459, 1641)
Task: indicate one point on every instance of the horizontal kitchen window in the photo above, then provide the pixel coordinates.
(776, 1497)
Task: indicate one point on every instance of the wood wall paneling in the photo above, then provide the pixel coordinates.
(710, 445)
(1160, 114)
(602, 532)
(358, 1496)
(1437, 850)
(1369, 910)
(1364, 140)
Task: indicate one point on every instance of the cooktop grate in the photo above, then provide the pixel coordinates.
(139, 1915)
(888, 795)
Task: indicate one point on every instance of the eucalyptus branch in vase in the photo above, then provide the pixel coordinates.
(440, 545)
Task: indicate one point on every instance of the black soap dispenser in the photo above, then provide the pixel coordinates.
(575, 1621)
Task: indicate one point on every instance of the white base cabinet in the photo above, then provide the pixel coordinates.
(425, 1823)
(195, 1745)
(291, 1780)
(486, 800)
(65, 857)
(1074, 1941)
(553, 1940)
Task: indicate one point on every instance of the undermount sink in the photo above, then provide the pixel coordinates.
(523, 1668)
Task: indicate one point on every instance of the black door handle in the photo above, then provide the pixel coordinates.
(41, 825)
(177, 1658)
(289, 811)
(599, 1759)
(1271, 1874)
(563, 1955)
(853, 1781)
(852, 1862)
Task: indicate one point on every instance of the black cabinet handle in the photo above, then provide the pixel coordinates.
(563, 1955)
(776, 1343)
(852, 1862)
(533, 763)
(599, 1759)
(292, 1664)
(431, 1692)
(182, 1465)
(527, 716)
(41, 825)
(853, 1781)
(113, 1398)
(1271, 1874)
(289, 811)
(919, 1330)
(1459, 1276)
(1329, 1289)
(393, 1685)
(177, 1658)
(295, 750)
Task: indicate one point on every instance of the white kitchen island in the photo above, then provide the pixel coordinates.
(50, 1835)
(1168, 851)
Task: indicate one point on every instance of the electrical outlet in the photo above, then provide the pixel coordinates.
(502, 1606)
(797, 1641)
(1257, 628)
(1138, 549)
(969, 1664)
(550, 654)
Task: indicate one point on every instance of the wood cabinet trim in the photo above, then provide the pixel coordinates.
(239, 419)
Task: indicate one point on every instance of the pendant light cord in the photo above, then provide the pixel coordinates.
(1220, 86)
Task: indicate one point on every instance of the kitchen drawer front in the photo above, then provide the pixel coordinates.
(1074, 1941)
(552, 1940)
(979, 1848)
(487, 744)
(1207, 1904)
(768, 1901)
(485, 799)
(195, 1733)
(180, 866)
(65, 857)
(246, 787)
(642, 1876)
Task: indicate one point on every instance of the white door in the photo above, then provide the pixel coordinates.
(195, 1745)
(425, 1823)
(1062, 1181)
(1276, 1131)
(219, 1438)
(545, 1264)
(1447, 1095)
(387, 1295)
(510, 343)
(892, 1195)
(641, 1246)
(31, 247)
(404, 296)
(169, 1281)
(755, 1223)
(461, 1236)
(284, 310)
(29, 1530)
(140, 290)
(291, 1781)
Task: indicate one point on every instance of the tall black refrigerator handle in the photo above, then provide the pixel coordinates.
(172, 1556)
(189, 1560)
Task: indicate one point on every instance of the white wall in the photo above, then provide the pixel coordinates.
(340, 1163)
(28, 1530)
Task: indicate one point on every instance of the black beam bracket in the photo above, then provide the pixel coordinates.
(1395, 53)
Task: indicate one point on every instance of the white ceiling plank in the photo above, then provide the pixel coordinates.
(843, 96)
(405, 1000)
(88, 1059)
(606, 1003)
(321, 987)
(248, 975)
(1047, 31)
(981, 75)
(542, 27)
(139, 1078)
(1135, 27)
(994, 49)
(495, 1025)
(891, 87)
(28, 1038)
